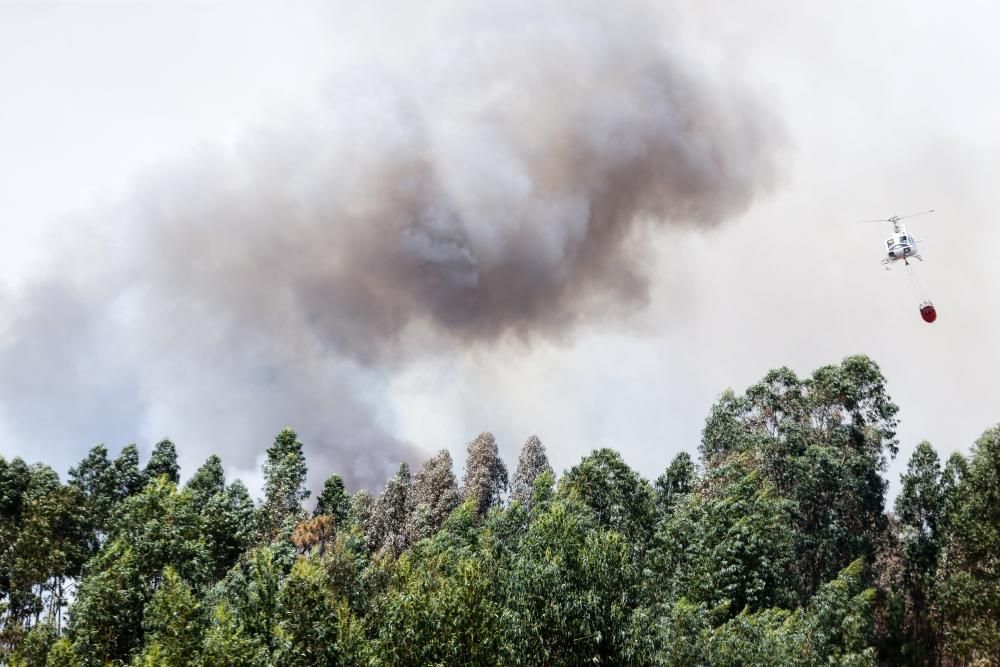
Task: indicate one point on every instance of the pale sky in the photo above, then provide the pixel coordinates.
(886, 108)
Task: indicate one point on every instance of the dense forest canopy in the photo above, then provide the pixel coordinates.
(773, 547)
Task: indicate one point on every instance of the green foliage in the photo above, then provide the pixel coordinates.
(971, 588)
(346, 569)
(334, 501)
(919, 502)
(822, 442)
(227, 519)
(243, 630)
(362, 504)
(837, 625)
(485, 474)
(163, 527)
(106, 619)
(684, 630)
(571, 592)
(174, 624)
(951, 478)
(128, 479)
(438, 611)
(228, 645)
(434, 496)
(207, 481)
(284, 485)
(387, 526)
(95, 478)
(34, 648)
(834, 629)
(314, 627)
(15, 478)
(919, 506)
(163, 461)
(618, 497)
(45, 540)
(677, 481)
(532, 463)
(152, 530)
(774, 549)
(969, 607)
(729, 547)
(62, 654)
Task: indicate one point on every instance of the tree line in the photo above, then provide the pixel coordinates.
(774, 546)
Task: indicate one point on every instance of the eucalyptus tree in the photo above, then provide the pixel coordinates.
(434, 495)
(571, 592)
(153, 530)
(970, 591)
(333, 500)
(207, 480)
(94, 476)
(284, 485)
(44, 541)
(729, 546)
(676, 481)
(485, 479)
(531, 463)
(823, 443)
(315, 628)
(228, 523)
(174, 621)
(387, 526)
(128, 478)
(162, 461)
(919, 507)
(619, 498)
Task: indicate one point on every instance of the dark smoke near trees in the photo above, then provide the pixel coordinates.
(496, 182)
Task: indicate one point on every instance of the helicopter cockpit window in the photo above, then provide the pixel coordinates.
(902, 239)
(888, 243)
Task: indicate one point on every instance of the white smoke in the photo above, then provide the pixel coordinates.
(491, 174)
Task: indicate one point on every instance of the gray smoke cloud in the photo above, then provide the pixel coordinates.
(493, 177)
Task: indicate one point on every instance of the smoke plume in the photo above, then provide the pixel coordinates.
(491, 177)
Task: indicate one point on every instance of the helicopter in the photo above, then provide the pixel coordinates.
(900, 246)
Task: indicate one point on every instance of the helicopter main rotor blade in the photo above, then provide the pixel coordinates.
(913, 215)
(897, 218)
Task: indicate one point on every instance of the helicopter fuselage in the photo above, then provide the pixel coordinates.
(900, 246)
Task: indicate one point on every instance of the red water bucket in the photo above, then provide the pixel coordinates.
(927, 312)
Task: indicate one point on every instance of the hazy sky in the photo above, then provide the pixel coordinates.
(877, 108)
